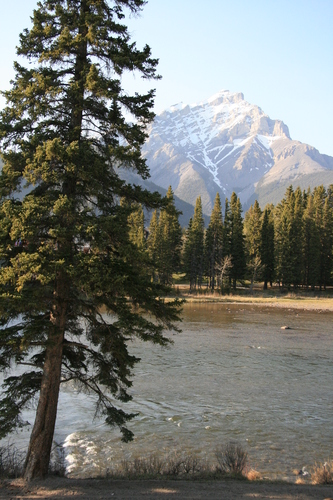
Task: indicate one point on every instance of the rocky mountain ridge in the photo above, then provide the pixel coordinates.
(226, 144)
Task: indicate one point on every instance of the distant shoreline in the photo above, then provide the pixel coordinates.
(288, 301)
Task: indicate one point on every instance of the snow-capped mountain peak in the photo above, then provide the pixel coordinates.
(223, 142)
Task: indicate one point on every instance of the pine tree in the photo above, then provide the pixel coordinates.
(136, 223)
(214, 242)
(153, 240)
(266, 249)
(198, 231)
(165, 240)
(323, 220)
(226, 245)
(170, 239)
(327, 243)
(311, 246)
(252, 233)
(188, 264)
(194, 247)
(237, 245)
(227, 229)
(64, 133)
(295, 236)
(288, 238)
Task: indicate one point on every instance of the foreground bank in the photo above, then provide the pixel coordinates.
(89, 489)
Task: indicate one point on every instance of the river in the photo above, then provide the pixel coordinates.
(232, 374)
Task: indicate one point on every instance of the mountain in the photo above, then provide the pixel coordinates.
(226, 144)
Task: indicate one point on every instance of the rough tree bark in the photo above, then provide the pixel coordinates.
(38, 455)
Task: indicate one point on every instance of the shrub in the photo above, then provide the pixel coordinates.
(11, 461)
(231, 457)
(175, 463)
(322, 473)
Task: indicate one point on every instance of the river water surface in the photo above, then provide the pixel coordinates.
(232, 374)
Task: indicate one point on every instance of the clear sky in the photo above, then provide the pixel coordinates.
(279, 53)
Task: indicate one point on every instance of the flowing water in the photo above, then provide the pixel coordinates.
(232, 374)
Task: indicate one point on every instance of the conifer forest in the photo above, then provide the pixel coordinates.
(289, 244)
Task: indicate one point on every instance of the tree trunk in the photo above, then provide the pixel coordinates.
(39, 451)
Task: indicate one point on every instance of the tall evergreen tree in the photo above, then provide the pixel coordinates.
(311, 246)
(188, 255)
(323, 220)
(252, 233)
(237, 245)
(165, 239)
(227, 229)
(63, 135)
(194, 246)
(288, 238)
(198, 232)
(266, 249)
(170, 239)
(327, 244)
(136, 223)
(214, 242)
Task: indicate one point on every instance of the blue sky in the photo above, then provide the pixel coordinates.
(279, 53)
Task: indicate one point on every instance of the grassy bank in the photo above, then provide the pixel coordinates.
(273, 297)
(231, 463)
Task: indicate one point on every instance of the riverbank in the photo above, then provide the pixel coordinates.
(272, 298)
(102, 489)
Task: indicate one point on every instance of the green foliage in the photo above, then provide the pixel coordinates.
(69, 248)
(303, 238)
(236, 239)
(266, 247)
(252, 230)
(165, 240)
(136, 222)
(311, 246)
(194, 247)
(214, 242)
(291, 243)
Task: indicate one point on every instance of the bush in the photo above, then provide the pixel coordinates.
(232, 459)
(322, 473)
(175, 463)
(11, 461)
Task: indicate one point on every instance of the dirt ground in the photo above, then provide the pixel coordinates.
(94, 489)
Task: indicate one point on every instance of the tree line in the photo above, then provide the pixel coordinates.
(289, 244)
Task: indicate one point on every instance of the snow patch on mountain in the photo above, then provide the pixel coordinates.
(213, 132)
(224, 144)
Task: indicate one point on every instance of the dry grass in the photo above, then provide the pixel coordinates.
(11, 461)
(253, 475)
(231, 462)
(176, 463)
(278, 297)
(322, 473)
(291, 301)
